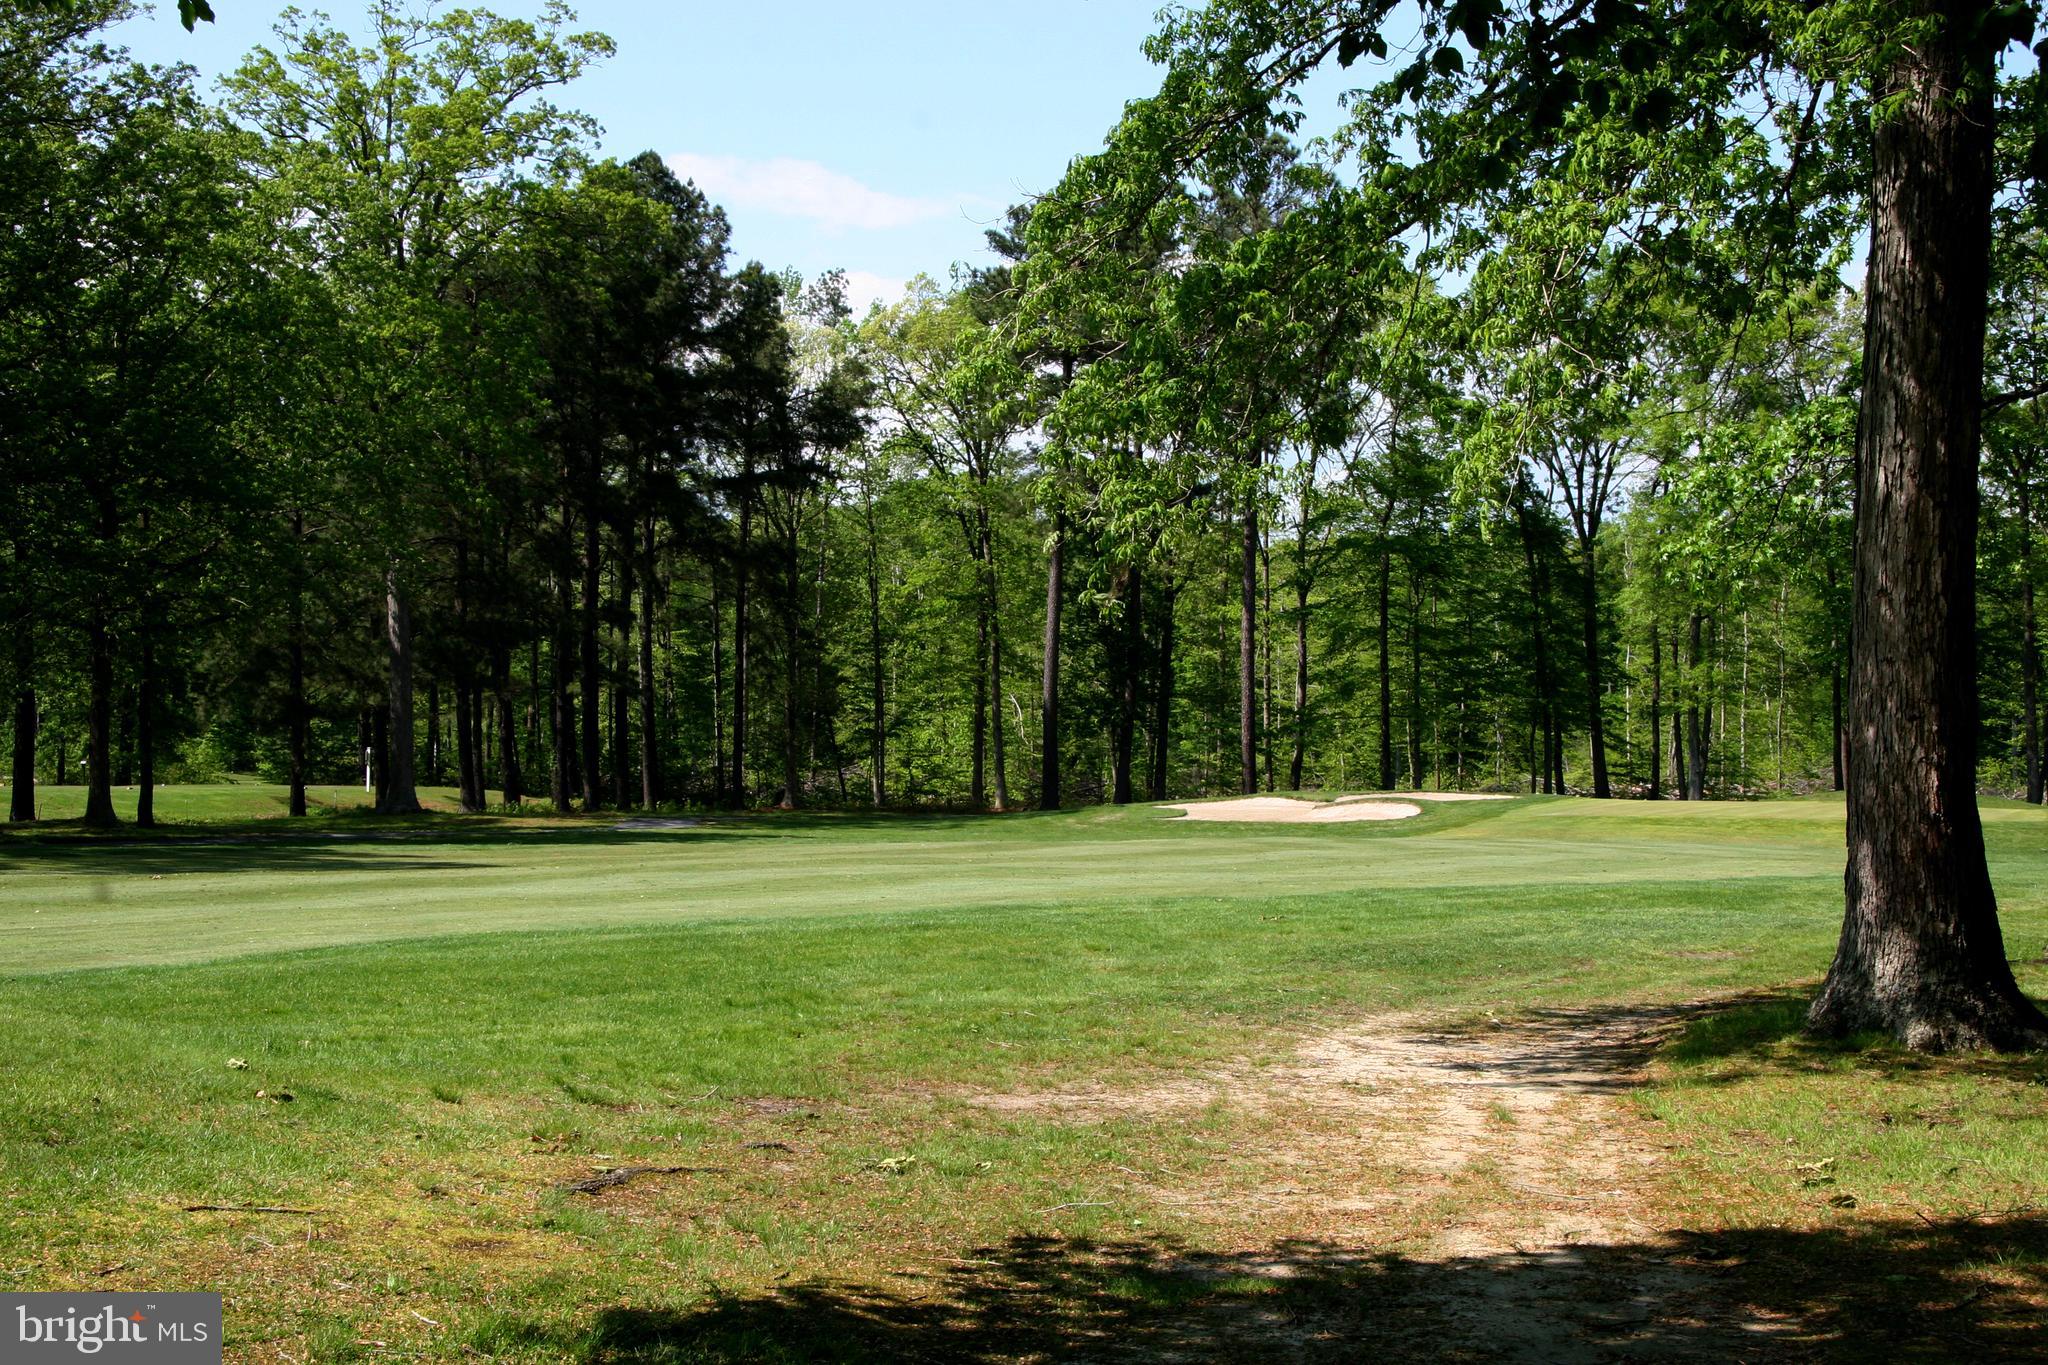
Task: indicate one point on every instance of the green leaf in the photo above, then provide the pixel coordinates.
(191, 12)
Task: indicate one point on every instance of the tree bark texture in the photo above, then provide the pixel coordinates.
(1921, 955)
(2030, 646)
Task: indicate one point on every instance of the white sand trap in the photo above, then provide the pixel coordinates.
(657, 822)
(1285, 810)
(1423, 796)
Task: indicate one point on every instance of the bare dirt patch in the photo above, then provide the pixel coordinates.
(1496, 1161)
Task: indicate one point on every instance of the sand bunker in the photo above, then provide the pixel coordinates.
(1285, 810)
(1424, 796)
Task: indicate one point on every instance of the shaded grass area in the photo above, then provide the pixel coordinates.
(235, 800)
(1892, 1290)
(800, 1013)
(1780, 1123)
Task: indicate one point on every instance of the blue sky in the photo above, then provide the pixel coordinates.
(881, 139)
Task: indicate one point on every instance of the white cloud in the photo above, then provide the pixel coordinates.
(864, 287)
(803, 189)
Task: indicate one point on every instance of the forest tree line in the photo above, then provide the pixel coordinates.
(359, 424)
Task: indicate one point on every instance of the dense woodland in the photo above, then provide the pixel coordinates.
(355, 419)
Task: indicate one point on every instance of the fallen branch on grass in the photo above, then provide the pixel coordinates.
(1971, 1216)
(619, 1175)
(249, 1208)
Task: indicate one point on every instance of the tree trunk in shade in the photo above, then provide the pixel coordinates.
(1921, 955)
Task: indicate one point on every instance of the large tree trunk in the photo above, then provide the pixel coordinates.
(1248, 652)
(398, 795)
(99, 758)
(1162, 694)
(1589, 603)
(2030, 645)
(1049, 672)
(21, 798)
(650, 748)
(1921, 955)
(1840, 729)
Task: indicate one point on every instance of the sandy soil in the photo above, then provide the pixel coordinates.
(1285, 810)
(1500, 1163)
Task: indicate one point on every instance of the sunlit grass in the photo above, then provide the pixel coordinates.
(798, 1012)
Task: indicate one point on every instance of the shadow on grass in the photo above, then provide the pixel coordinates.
(344, 841)
(1860, 1291)
(320, 846)
(1768, 1031)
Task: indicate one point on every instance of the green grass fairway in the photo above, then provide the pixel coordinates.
(416, 1032)
(254, 887)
